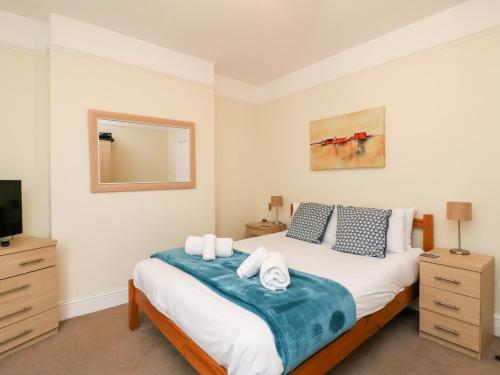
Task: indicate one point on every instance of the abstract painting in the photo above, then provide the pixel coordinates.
(353, 140)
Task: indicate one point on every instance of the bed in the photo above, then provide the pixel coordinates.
(219, 337)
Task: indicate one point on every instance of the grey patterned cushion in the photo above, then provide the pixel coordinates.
(362, 231)
(309, 222)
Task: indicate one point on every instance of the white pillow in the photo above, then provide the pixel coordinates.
(410, 213)
(330, 236)
(396, 239)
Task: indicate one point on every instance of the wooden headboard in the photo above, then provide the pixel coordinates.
(426, 224)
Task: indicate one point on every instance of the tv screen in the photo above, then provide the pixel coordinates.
(11, 217)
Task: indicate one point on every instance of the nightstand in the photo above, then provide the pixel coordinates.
(261, 228)
(456, 301)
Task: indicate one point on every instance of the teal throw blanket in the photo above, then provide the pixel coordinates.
(310, 314)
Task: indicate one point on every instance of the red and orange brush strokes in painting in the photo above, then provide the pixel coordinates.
(353, 140)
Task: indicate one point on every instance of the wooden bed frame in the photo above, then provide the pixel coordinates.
(319, 363)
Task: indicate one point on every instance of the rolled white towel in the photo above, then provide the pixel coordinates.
(224, 247)
(274, 273)
(209, 247)
(194, 245)
(251, 265)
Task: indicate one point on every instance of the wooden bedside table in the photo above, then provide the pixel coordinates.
(261, 228)
(456, 301)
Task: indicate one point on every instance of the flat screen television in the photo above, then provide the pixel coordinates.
(11, 216)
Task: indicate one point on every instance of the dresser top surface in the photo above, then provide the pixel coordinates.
(472, 262)
(26, 243)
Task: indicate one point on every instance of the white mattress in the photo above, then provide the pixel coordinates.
(240, 340)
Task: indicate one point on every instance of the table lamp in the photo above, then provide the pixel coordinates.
(276, 201)
(460, 211)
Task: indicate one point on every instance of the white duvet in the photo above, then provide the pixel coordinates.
(240, 340)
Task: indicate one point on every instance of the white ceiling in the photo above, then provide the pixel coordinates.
(254, 41)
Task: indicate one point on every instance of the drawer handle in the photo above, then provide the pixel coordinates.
(444, 304)
(453, 281)
(449, 330)
(16, 289)
(12, 338)
(27, 262)
(25, 308)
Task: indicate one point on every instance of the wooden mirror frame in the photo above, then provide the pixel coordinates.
(97, 187)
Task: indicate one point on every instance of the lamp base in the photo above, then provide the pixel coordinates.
(459, 251)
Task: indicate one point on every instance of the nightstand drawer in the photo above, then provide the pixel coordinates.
(27, 261)
(27, 329)
(452, 279)
(27, 295)
(450, 304)
(449, 329)
(254, 232)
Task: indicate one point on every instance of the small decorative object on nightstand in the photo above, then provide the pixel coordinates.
(263, 227)
(460, 211)
(276, 201)
(456, 301)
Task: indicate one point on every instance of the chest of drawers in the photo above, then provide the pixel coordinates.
(456, 301)
(28, 293)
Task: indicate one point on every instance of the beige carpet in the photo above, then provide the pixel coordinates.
(101, 344)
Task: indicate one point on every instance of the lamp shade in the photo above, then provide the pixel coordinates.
(276, 201)
(459, 211)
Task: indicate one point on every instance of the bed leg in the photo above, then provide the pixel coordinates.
(133, 307)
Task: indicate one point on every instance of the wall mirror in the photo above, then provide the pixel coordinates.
(131, 152)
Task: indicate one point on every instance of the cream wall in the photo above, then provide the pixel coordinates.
(24, 132)
(103, 235)
(237, 167)
(442, 127)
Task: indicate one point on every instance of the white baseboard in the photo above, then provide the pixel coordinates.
(86, 305)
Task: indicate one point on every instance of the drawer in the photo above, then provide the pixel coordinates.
(27, 261)
(450, 304)
(452, 279)
(27, 329)
(26, 295)
(449, 329)
(254, 232)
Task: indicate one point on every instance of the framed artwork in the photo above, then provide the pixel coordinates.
(353, 140)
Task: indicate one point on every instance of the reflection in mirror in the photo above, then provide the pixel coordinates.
(131, 152)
